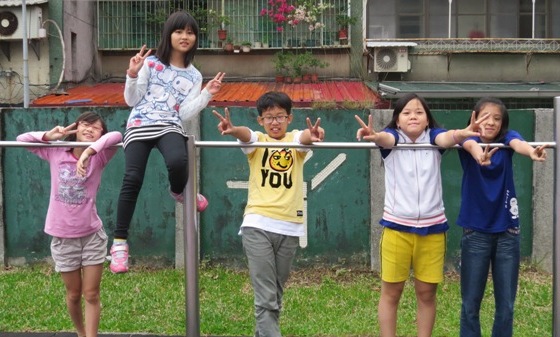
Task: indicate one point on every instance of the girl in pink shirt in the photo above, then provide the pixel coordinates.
(79, 242)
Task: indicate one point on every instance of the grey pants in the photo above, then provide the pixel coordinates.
(270, 259)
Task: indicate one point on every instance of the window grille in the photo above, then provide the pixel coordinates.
(128, 24)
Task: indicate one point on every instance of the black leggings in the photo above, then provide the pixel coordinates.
(173, 148)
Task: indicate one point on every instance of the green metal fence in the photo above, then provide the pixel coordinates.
(338, 193)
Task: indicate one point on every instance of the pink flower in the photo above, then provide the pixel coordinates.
(278, 11)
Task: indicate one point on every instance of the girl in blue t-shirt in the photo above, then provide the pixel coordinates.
(489, 216)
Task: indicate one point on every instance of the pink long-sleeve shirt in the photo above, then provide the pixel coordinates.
(72, 209)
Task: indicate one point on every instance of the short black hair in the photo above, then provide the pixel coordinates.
(273, 99)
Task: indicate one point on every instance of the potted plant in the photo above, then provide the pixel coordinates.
(299, 65)
(280, 65)
(236, 48)
(302, 63)
(314, 64)
(220, 21)
(228, 45)
(266, 41)
(344, 21)
(246, 46)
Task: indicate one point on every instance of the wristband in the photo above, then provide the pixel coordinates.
(130, 74)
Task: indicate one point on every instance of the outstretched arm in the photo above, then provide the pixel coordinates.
(197, 98)
(383, 139)
(225, 127)
(457, 136)
(524, 148)
(313, 133)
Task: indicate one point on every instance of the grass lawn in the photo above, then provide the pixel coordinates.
(327, 301)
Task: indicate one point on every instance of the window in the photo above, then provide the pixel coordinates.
(526, 19)
(130, 24)
(462, 19)
(410, 18)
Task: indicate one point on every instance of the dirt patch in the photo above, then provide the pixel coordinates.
(310, 276)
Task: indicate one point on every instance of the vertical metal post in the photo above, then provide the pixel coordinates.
(190, 233)
(556, 228)
(449, 20)
(25, 55)
(533, 22)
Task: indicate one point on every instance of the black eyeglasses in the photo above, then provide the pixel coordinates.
(270, 119)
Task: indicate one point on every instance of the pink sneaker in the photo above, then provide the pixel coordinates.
(119, 258)
(178, 197)
(201, 202)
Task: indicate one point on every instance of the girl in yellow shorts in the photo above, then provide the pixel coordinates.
(413, 216)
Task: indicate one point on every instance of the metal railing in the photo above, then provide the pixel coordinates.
(485, 45)
(191, 225)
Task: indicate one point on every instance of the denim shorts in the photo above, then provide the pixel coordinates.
(75, 253)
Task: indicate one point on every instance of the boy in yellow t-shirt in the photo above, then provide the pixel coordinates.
(273, 218)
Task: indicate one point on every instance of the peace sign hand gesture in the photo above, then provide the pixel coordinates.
(475, 126)
(215, 84)
(539, 154)
(59, 132)
(316, 132)
(225, 126)
(485, 157)
(137, 61)
(366, 131)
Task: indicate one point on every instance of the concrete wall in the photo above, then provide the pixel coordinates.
(80, 40)
(543, 195)
(256, 64)
(479, 67)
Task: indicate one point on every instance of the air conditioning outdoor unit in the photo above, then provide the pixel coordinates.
(11, 22)
(391, 59)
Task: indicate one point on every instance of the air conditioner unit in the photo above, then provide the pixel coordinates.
(11, 22)
(391, 59)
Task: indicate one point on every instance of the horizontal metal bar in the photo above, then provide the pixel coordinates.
(343, 145)
(226, 144)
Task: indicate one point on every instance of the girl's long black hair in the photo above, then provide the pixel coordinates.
(177, 20)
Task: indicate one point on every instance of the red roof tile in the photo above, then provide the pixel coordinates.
(341, 93)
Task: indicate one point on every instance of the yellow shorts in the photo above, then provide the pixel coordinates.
(400, 251)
